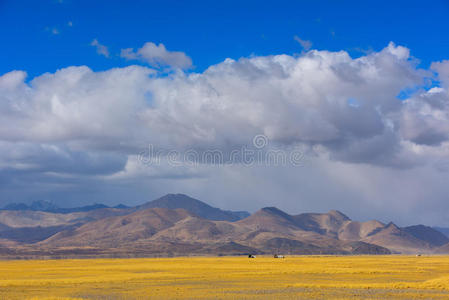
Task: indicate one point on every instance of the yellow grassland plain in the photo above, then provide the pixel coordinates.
(295, 277)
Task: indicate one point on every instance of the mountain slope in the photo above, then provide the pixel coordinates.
(427, 234)
(270, 230)
(196, 207)
(354, 230)
(443, 230)
(327, 223)
(15, 218)
(114, 231)
(398, 240)
(444, 249)
(276, 231)
(31, 234)
(271, 219)
(195, 229)
(180, 225)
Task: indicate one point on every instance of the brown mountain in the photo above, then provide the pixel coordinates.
(28, 218)
(196, 207)
(179, 225)
(270, 219)
(328, 223)
(267, 231)
(397, 240)
(276, 231)
(34, 226)
(354, 230)
(401, 240)
(443, 249)
(118, 231)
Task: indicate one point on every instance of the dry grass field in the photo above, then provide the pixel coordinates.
(305, 277)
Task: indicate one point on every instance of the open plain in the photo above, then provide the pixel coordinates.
(263, 277)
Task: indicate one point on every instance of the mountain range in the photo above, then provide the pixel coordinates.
(177, 224)
(49, 206)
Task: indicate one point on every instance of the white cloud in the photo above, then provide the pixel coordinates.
(60, 123)
(305, 44)
(101, 49)
(425, 118)
(289, 99)
(158, 56)
(442, 68)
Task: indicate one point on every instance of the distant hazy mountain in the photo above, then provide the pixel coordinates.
(48, 206)
(177, 224)
(428, 234)
(443, 230)
(41, 205)
(194, 206)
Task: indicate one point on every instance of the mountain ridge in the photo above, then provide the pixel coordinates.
(177, 224)
(168, 201)
(195, 206)
(48, 206)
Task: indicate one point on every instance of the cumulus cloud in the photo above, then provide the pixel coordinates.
(425, 119)
(158, 56)
(101, 49)
(292, 100)
(76, 123)
(442, 68)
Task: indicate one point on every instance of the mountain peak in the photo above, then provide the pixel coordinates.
(194, 206)
(43, 205)
(39, 205)
(173, 201)
(271, 219)
(391, 225)
(271, 209)
(275, 211)
(339, 215)
(179, 223)
(427, 234)
(176, 196)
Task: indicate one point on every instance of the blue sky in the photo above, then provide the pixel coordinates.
(209, 31)
(87, 86)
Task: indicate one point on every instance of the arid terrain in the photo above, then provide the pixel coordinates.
(177, 225)
(306, 277)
